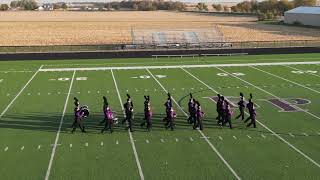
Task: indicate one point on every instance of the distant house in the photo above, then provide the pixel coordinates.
(48, 7)
(40, 8)
(303, 15)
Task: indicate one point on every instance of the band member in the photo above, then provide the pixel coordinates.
(241, 106)
(170, 119)
(192, 110)
(228, 114)
(252, 113)
(220, 111)
(147, 113)
(80, 114)
(168, 106)
(108, 116)
(104, 109)
(128, 109)
(199, 116)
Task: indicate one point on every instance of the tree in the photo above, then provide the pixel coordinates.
(217, 7)
(4, 7)
(225, 8)
(283, 6)
(14, 4)
(64, 6)
(202, 7)
(298, 3)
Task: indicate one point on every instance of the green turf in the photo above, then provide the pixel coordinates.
(29, 125)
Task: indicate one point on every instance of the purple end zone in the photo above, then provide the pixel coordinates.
(283, 105)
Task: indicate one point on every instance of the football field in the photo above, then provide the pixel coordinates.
(36, 106)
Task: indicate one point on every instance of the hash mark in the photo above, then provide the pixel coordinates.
(234, 137)
(162, 140)
(191, 139)
(101, 143)
(305, 134)
(6, 149)
(220, 138)
(22, 148)
(87, 144)
(39, 146)
(249, 136)
(177, 140)
(291, 134)
(147, 141)
(263, 136)
(117, 142)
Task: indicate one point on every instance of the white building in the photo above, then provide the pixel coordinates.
(303, 15)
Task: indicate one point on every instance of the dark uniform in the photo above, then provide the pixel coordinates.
(147, 113)
(108, 116)
(128, 109)
(252, 114)
(227, 114)
(199, 116)
(241, 108)
(192, 111)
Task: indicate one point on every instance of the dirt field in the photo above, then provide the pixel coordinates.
(57, 28)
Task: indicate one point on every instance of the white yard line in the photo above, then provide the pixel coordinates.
(130, 134)
(177, 66)
(14, 99)
(274, 75)
(272, 132)
(301, 70)
(59, 129)
(202, 134)
(267, 92)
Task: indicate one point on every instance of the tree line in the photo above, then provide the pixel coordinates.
(270, 9)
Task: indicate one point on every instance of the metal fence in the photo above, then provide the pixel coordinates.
(162, 46)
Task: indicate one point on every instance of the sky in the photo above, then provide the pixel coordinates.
(49, 1)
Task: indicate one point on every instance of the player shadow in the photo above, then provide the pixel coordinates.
(50, 122)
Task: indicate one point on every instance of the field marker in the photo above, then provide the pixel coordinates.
(117, 142)
(89, 92)
(70, 145)
(8, 94)
(263, 136)
(305, 134)
(14, 99)
(162, 140)
(291, 134)
(98, 92)
(39, 146)
(249, 136)
(6, 149)
(177, 140)
(59, 129)
(191, 139)
(301, 70)
(86, 144)
(176, 66)
(147, 141)
(278, 136)
(22, 148)
(130, 134)
(286, 80)
(210, 144)
(220, 138)
(206, 137)
(234, 137)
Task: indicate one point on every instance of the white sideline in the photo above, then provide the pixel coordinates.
(286, 79)
(202, 134)
(300, 70)
(178, 66)
(130, 134)
(59, 130)
(14, 99)
(275, 134)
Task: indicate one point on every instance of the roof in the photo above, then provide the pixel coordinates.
(305, 10)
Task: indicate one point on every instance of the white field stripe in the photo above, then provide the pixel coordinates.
(202, 134)
(178, 66)
(267, 92)
(130, 134)
(272, 132)
(301, 70)
(59, 130)
(286, 80)
(14, 99)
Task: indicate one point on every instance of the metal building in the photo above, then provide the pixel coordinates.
(303, 15)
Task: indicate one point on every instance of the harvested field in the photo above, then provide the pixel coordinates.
(67, 28)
